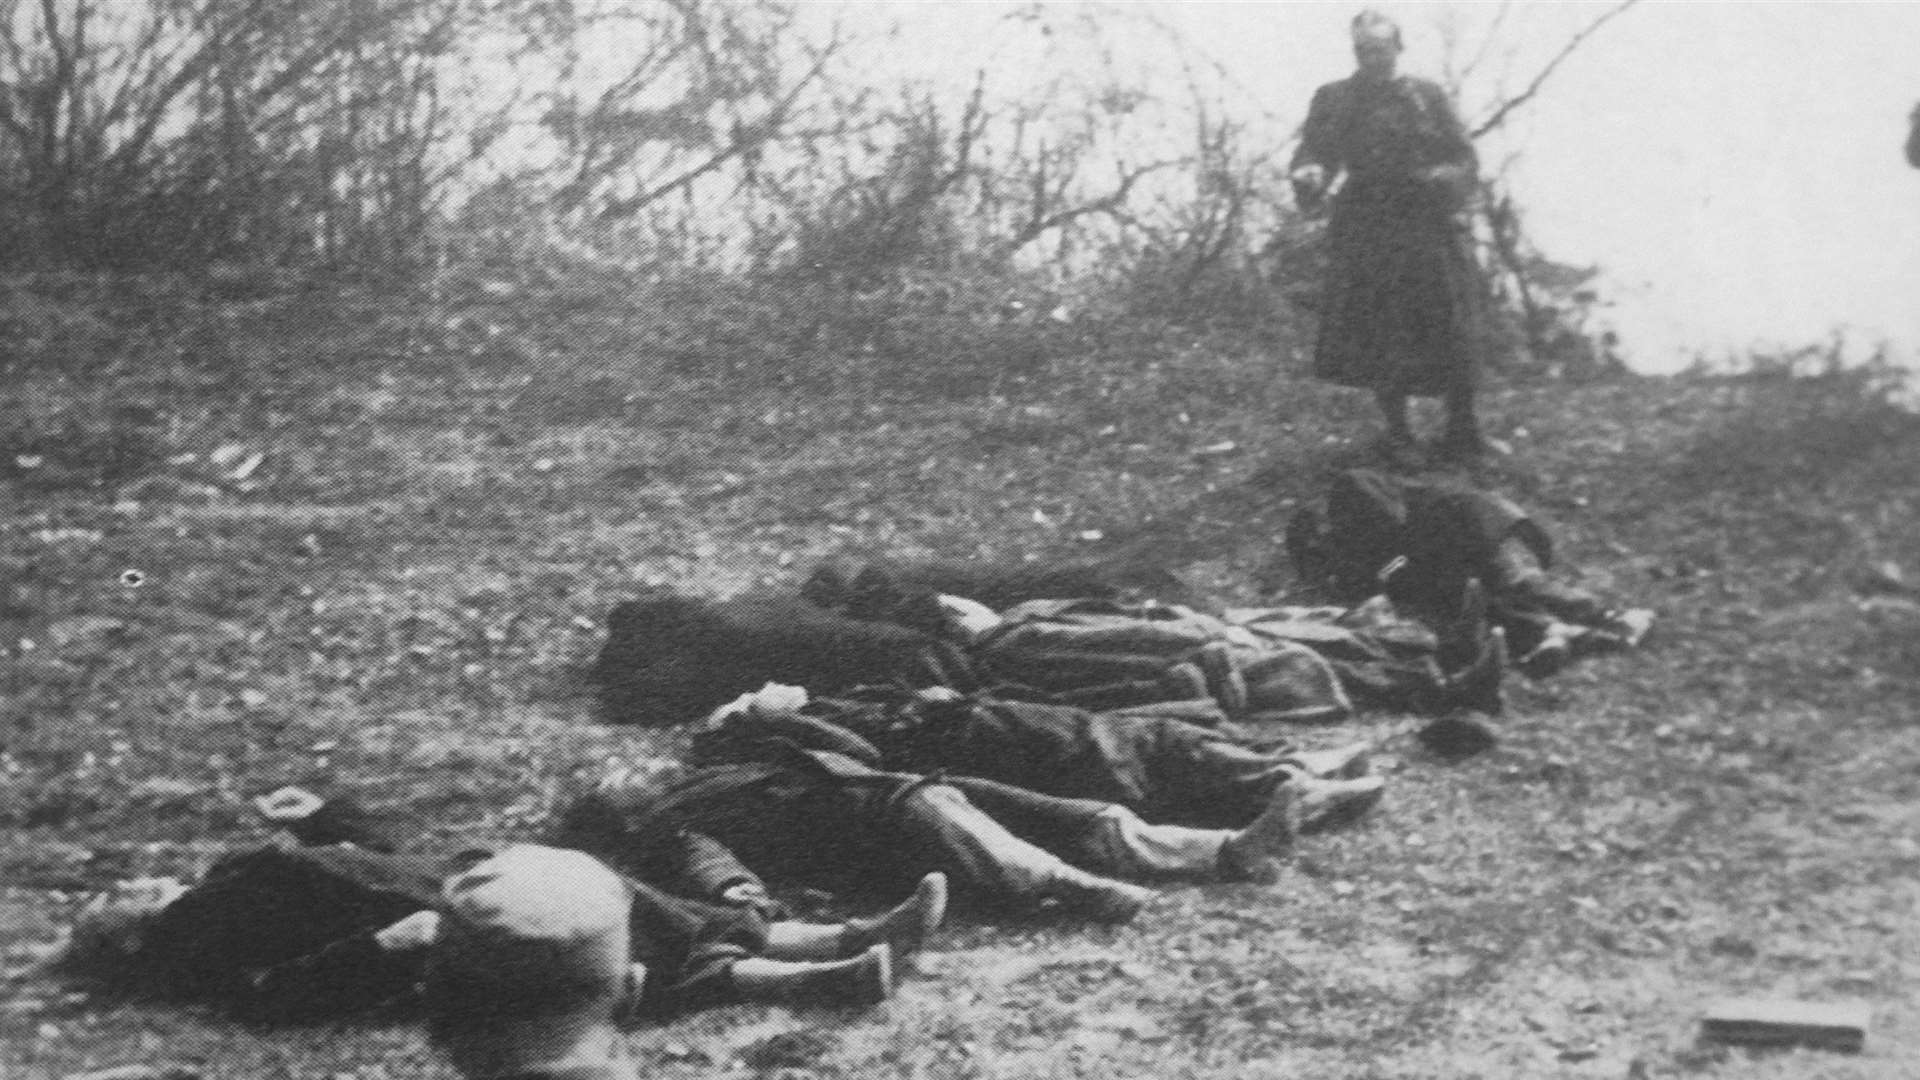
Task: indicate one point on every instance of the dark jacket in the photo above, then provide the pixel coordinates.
(671, 659)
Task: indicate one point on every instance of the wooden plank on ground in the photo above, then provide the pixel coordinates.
(1830, 1026)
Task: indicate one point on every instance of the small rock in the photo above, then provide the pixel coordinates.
(1865, 814)
(1128, 1022)
(788, 1050)
(167, 791)
(1095, 1042)
(1885, 576)
(164, 1071)
(246, 468)
(81, 628)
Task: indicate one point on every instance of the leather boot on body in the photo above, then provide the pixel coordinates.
(906, 927)
(1303, 804)
(866, 979)
(1100, 899)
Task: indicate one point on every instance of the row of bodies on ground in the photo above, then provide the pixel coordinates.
(1029, 738)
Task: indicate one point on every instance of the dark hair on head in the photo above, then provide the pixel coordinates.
(1369, 24)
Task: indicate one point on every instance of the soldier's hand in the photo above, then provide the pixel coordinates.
(749, 894)
(775, 698)
(416, 931)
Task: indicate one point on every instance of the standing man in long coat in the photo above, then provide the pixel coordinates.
(1404, 310)
(1913, 137)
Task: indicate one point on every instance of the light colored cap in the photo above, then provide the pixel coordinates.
(532, 964)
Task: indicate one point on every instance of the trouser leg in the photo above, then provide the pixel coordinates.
(1121, 844)
(1201, 778)
(1520, 583)
(1105, 838)
(1050, 822)
(980, 854)
(689, 948)
(1394, 686)
(983, 858)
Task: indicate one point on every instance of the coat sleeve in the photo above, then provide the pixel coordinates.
(1450, 159)
(1319, 136)
(709, 868)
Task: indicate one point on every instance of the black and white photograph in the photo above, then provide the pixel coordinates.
(959, 539)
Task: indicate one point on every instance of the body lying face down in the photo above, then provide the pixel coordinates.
(669, 659)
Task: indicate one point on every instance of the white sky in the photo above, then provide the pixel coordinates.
(1733, 167)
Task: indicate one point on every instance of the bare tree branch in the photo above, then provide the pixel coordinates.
(1486, 43)
(1105, 204)
(743, 139)
(1508, 106)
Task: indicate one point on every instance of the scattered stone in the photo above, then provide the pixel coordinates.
(788, 1050)
(1885, 577)
(166, 791)
(1128, 1022)
(52, 537)
(80, 628)
(1095, 1042)
(247, 467)
(1836, 1026)
(164, 1071)
(1868, 814)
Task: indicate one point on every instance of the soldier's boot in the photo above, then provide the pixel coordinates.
(906, 927)
(866, 979)
(1101, 899)
(1254, 853)
(1325, 804)
(1335, 763)
(1477, 686)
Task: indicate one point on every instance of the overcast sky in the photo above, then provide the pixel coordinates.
(1735, 168)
